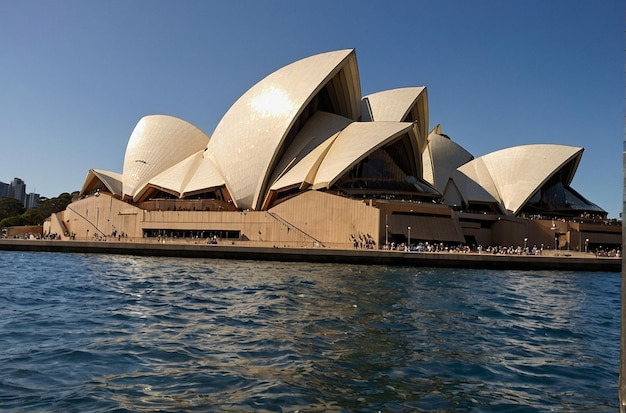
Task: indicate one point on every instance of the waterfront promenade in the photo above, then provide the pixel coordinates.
(564, 261)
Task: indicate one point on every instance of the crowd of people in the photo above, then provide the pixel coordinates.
(479, 249)
(429, 247)
(363, 241)
(511, 250)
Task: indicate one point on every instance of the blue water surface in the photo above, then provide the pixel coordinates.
(144, 334)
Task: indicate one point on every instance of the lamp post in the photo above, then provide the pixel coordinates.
(556, 237)
(525, 241)
(586, 244)
(386, 231)
(409, 237)
(386, 236)
(556, 243)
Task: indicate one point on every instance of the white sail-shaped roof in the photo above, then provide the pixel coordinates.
(157, 143)
(206, 176)
(111, 180)
(401, 105)
(248, 140)
(517, 173)
(304, 172)
(476, 184)
(393, 104)
(190, 176)
(446, 156)
(301, 159)
(173, 179)
(353, 144)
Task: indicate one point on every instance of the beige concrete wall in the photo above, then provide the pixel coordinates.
(55, 225)
(24, 231)
(98, 216)
(511, 231)
(329, 218)
(312, 219)
(299, 222)
(256, 227)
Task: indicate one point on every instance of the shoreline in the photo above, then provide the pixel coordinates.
(565, 262)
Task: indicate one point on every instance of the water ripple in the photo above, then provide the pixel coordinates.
(122, 333)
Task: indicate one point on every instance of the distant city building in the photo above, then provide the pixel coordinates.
(17, 189)
(32, 200)
(4, 190)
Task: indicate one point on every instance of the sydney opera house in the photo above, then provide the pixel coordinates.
(302, 159)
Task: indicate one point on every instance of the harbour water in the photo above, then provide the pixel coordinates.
(86, 332)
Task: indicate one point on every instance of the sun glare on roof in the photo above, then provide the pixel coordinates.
(272, 102)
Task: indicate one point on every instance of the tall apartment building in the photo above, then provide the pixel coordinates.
(31, 201)
(17, 189)
(4, 189)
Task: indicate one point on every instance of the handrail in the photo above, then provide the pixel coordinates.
(290, 225)
(88, 221)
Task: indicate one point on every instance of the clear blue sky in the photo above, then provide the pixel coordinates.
(76, 76)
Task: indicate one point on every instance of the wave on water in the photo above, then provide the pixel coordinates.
(121, 333)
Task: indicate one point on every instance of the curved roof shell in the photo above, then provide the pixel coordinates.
(193, 175)
(444, 157)
(206, 176)
(476, 184)
(112, 181)
(409, 104)
(353, 144)
(157, 143)
(173, 179)
(302, 157)
(252, 136)
(514, 174)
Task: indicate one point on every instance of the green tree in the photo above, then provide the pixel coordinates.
(13, 221)
(34, 216)
(47, 207)
(10, 207)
